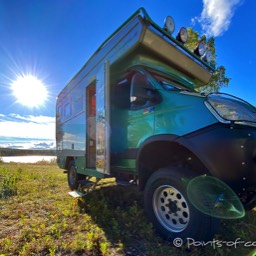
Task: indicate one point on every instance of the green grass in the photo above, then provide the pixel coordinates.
(38, 217)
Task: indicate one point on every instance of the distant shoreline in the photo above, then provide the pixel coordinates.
(27, 152)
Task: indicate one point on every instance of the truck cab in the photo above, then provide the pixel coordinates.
(133, 113)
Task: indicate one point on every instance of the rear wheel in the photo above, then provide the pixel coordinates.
(73, 176)
(167, 206)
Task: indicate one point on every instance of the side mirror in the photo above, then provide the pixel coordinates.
(141, 91)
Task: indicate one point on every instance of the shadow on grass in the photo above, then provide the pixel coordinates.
(118, 211)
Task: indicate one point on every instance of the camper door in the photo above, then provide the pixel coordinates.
(102, 120)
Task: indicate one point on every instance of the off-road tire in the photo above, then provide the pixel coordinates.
(167, 206)
(73, 176)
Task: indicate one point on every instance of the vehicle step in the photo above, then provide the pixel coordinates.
(75, 194)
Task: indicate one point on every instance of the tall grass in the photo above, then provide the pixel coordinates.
(8, 183)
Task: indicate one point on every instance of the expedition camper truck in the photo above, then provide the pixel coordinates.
(132, 112)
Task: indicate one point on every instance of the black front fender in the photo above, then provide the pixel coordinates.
(228, 152)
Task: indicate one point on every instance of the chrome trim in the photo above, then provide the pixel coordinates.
(197, 94)
(246, 123)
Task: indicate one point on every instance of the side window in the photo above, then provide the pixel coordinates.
(77, 104)
(67, 110)
(142, 92)
(59, 111)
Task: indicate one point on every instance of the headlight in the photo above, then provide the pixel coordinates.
(228, 108)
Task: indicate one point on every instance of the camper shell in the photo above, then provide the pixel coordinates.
(132, 112)
(137, 43)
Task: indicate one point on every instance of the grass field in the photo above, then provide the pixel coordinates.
(38, 217)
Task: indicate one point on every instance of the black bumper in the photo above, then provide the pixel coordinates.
(229, 153)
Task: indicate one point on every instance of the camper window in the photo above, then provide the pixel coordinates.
(67, 110)
(59, 111)
(77, 104)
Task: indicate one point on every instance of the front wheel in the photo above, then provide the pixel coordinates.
(167, 206)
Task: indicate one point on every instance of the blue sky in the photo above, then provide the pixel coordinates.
(52, 39)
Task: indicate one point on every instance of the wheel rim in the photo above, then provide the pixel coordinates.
(171, 208)
(72, 176)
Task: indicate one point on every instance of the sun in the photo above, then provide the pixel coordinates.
(29, 91)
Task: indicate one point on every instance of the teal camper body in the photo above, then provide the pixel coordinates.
(132, 112)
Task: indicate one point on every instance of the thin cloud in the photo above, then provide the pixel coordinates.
(34, 119)
(34, 127)
(12, 142)
(216, 16)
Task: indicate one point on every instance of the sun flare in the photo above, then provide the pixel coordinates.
(29, 91)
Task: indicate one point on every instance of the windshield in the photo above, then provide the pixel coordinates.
(169, 85)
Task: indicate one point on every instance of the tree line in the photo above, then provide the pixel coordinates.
(26, 152)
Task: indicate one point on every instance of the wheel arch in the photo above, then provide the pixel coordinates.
(164, 150)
